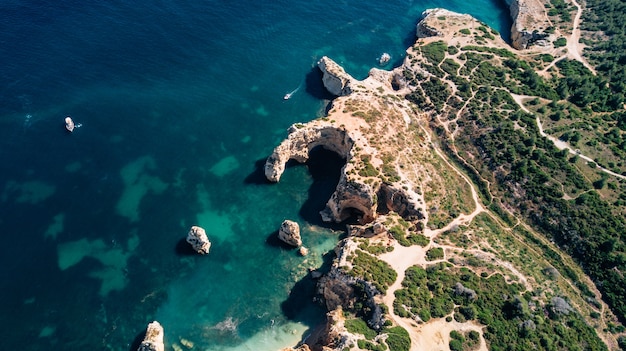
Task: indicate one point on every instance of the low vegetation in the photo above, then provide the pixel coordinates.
(515, 319)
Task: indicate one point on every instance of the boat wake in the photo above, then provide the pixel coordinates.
(288, 95)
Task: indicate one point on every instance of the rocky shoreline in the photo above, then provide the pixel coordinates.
(371, 186)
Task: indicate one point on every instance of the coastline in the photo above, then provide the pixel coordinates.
(357, 192)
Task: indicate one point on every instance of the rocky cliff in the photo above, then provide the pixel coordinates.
(530, 25)
(335, 78)
(153, 341)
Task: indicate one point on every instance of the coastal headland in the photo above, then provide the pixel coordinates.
(437, 255)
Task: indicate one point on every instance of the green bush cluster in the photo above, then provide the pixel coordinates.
(371, 269)
(514, 320)
(435, 253)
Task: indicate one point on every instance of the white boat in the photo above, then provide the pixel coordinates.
(69, 124)
(288, 95)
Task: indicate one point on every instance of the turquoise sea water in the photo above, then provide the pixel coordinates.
(179, 103)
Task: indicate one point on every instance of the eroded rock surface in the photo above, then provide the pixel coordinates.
(153, 341)
(335, 78)
(530, 23)
(289, 233)
(198, 239)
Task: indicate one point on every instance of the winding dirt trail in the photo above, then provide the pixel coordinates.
(435, 334)
(574, 46)
(560, 144)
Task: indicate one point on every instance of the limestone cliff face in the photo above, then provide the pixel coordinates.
(351, 198)
(153, 341)
(356, 196)
(335, 78)
(301, 140)
(530, 23)
(289, 233)
(338, 289)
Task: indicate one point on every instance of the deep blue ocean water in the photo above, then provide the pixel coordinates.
(179, 103)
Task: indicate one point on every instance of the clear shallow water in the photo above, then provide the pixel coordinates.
(179, 103)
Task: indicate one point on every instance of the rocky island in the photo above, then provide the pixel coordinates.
(451, 245)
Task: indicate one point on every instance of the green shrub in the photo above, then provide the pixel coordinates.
(398, 339)
(358, 326)
(434, 254)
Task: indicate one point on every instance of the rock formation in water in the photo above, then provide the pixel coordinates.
(198, 239)
(289, 233)
(153, 341)
(335, 78)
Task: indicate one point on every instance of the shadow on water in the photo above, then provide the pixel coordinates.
(325, 169)
(137, 341)
(258, 175)
(273, 241)
(504, 20)
(314, 85)
(300, 304)
(410, 38)
(183, 248)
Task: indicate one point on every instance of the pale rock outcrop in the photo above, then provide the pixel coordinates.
(198, 239)
(335, 78)
(289, 233)
(426, 27)
(530, 23)
(300, 141)
(351, 199)
(303, 347)
(303, 251)
(153, 341)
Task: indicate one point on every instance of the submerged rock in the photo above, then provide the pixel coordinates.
(289, 232)
(198, 240)
(153, 341)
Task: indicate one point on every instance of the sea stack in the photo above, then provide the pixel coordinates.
(289, 232)
(153, 341)
(69, 123)
(198, 240)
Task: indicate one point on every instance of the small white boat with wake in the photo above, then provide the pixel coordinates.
(288, 95)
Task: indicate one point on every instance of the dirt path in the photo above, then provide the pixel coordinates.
(574, 47)
(436, 334)
(560, 144)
